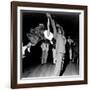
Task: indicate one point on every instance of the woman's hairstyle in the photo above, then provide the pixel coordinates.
(36, 32)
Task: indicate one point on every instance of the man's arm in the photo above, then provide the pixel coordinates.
(54, 28)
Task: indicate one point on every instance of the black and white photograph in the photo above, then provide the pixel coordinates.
(49, 44)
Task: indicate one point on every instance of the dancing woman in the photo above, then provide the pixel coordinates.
(45, 45)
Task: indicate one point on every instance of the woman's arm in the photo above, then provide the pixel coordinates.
(48, 27)
(53, 24)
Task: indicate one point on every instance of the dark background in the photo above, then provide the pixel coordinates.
(69, 22)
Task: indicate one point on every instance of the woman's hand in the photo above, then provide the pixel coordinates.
(48, 15)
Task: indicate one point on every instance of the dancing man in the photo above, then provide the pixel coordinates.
(59, 50)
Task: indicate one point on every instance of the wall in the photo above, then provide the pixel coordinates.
(5, 44)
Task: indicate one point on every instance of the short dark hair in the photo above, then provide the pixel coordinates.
(60, 27)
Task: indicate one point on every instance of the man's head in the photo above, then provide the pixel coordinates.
(60, 29)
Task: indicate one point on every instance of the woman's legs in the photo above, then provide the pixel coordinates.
(45, 48)
(46, 52)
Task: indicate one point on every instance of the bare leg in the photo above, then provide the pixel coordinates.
(43, 53)
(70, 54)
(46, 52)
(42, 58)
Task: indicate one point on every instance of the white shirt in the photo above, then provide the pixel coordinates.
(49, 37)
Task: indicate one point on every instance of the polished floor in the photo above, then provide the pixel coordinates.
(71, 69)
(46, 70)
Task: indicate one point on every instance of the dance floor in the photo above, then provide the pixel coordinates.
(46, 70)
